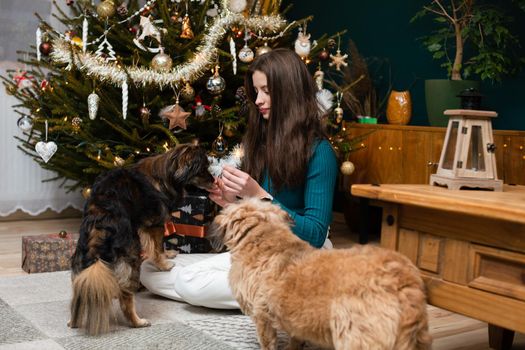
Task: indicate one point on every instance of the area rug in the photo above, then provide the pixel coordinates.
(34, 310)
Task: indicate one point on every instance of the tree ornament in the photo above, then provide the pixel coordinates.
(118, 161)
(122, 9)
(62, 234)
(324, 55)
(246, 53)
(237, 6)
(302, 43)
(187, 93)
(38, 42)
(44, 85)
(216, 84)
(233, 53)
(148, 29)
(103, 47)
(86, 192)
(45, 149)
(93, 102)
(124, 99)
(338, 60)
(145, 113)
(77, 41)
(85, 31)
(186, 32)
(219, 145)
(347, 168)
(200, 109)
(161, 62)
(106, 9)
(175, 114)
(45, 48)
(331, 43)
(70, 2)
(23, 80)
(261, 50)
(76, 122)
(338, 111)
(25, 123)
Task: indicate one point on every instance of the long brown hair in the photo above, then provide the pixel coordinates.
(282, 145)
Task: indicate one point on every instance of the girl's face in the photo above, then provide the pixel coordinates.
(263, 101)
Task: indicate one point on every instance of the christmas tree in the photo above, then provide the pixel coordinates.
(128, 80)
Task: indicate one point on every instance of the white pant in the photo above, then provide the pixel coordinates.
(198, 279)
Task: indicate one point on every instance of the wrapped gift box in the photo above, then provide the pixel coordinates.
(48, 253)
(187, 231)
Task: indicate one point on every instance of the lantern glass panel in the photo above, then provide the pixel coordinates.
(475, 157)
(448, 161)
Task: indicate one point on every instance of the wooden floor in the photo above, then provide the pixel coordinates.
(450, 331)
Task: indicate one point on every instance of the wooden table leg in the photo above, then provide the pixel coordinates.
(500, 338)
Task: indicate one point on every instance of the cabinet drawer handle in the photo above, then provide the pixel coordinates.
(431, 164)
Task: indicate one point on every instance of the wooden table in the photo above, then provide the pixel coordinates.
(469, 246)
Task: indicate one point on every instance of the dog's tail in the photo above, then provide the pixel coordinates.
(93, 292)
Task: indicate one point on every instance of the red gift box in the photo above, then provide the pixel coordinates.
(48, 253)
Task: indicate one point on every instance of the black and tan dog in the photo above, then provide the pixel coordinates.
(123, 217)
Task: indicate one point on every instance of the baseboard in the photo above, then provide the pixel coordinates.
(46, 215)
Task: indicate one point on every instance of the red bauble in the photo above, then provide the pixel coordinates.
(45, 48)
(324, 55)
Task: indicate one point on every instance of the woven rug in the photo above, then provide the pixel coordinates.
(34, 310)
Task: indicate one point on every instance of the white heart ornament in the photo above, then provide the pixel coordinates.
(46, 149)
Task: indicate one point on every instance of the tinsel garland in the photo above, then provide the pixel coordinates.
(203, 60)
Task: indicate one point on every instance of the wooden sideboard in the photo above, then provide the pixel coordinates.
(400, 154)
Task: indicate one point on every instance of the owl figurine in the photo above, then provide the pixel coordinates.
(302, 44)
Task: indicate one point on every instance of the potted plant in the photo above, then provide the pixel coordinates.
(473, 40)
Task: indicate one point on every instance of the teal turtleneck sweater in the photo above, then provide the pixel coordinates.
(310, 205)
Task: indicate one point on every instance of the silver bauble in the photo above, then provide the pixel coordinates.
(25, 123)
(246, 54)
(216, 84)
(161, 62)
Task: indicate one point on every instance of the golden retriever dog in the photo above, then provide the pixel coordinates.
(364, 297)
(124, 217)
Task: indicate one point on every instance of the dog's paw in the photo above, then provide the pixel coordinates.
(170, 254)
(71, 325)
(165, 265)
(142, 322)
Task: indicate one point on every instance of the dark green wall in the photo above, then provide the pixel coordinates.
(382, 28)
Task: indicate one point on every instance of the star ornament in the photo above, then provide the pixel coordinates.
(338, 60)
(176, 115)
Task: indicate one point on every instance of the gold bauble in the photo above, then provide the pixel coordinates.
(229, 130)
(77, 41)
(338, 114)
(86, 192)
(106, 9)
(261, 50)
(347, 168)
(161, 62)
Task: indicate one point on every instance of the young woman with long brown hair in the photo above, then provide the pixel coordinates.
(287, 159)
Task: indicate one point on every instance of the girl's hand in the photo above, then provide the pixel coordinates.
(238, 184)
(216, 194)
